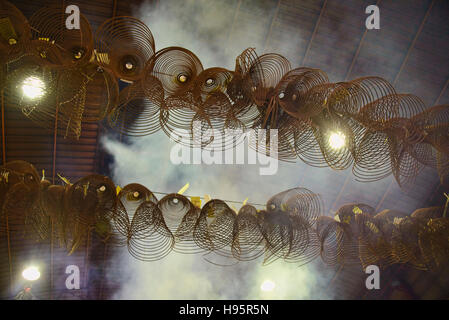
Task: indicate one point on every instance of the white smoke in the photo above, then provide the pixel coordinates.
(204, 27)
(146, 160)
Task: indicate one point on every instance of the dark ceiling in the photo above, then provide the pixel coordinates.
(410, 50)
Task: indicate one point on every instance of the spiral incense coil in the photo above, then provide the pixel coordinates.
(202, 234)
(16, 31)
(150, 239)
(184, 235)
(289, 217)
(174, 207)
(300, 202)
(176, 68)
(264, 75)
(124, 45)
(135, 114)
(91, 199)
(405, 245)
(433, 242)
(293, 91)
(132, 196)
(20, 188)
(54, 93)
(248, 241)
(218, 226)
(52, 200)
(75, 45)
(291, 228)
(327, 235)
(363, 123)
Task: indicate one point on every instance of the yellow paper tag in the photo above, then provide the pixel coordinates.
(196, 201)
(64, 179)
(357, 210)
(183, 189)
(118, 189)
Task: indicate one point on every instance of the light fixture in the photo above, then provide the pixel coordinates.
(33, 87)
(31, 274)
(267, 286)
(337, 140)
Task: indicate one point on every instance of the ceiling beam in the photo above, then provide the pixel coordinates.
(437, 101)
(404, 62)
(317, 24)
(357, 52)
(234, 19)
(271, 25)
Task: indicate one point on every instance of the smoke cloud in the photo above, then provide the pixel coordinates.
(204, 27)
(214, 31)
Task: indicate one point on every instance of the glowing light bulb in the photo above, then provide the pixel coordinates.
(267, 286)
(31, 274)
(337, 140)
(33, 87)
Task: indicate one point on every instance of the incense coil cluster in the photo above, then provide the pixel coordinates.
(380, 131)
(290, 228)
(65, 86)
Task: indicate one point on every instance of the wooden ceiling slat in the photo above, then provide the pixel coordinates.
(404, 62)
(317, 24)
(437, 101)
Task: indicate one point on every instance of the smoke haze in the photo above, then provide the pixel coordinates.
(204, 27)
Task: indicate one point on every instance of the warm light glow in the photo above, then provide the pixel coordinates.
(31, 274)
(267, 285)
(337, 140)
(33, 87)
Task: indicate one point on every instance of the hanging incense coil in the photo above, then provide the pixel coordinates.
(15, 29)
(248, 241)
(91, 199)
(214, 228)
(136, 114)
(290, 228)
(176, 68)
(75, 45)
(264, 75)
(287, 226)
(124, 45)
(338, 245)
(433, 242)
(150, 239)
(20, 191)
(293, 91)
